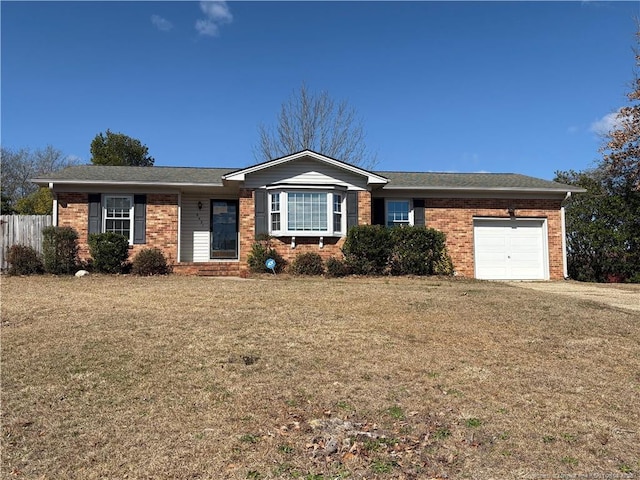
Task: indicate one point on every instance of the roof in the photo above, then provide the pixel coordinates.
(472, 181)
(105, 174)
(213, 177)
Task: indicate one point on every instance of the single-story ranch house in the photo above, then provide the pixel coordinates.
(205, 220)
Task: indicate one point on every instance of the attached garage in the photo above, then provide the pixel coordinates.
(510, 249)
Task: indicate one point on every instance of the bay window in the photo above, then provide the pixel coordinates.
(306, 213)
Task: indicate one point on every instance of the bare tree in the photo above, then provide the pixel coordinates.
(621, 152)
(316, 122)
(20, 166)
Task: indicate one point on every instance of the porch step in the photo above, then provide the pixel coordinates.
(213, 269)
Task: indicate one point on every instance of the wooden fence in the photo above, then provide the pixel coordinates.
(22, 229)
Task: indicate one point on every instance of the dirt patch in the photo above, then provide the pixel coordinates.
(624, 296)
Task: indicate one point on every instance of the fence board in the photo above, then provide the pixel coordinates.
(22, 229)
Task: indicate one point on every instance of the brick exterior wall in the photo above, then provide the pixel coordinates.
(161, 222)
(454, 217)
(364, 208)
(247, 226)
(332, 246)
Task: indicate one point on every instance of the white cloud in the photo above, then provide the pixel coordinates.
(217, 11)
(161, 24)
(216, 14)
(607, 123)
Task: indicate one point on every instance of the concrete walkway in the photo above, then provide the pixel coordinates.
(618, 295)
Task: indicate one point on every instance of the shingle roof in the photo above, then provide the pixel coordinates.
(132, 175)
(100, 174)
(471, 181)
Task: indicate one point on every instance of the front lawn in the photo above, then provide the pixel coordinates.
(284, 377)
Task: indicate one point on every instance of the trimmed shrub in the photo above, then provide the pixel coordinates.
(336, 268)
(443, 265)
(60, 250)
(260, 252)
(309, 263)
(418, 251)
(109, 252)
(150, 261)
(367, 249)
(23, 260)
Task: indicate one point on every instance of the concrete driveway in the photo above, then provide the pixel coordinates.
(617, 295)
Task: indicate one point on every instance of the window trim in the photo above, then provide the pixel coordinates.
(284, 212)
(409, 215)
(131, 219)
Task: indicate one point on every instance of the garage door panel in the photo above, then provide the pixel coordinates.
(509, 249)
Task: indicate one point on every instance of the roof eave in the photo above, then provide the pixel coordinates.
(46, 182)
(487, 189)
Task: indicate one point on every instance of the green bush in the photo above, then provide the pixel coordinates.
(150, 261)
(260, 252)
(418, 251)
(309, 263)
(408, 250)
(367, 249)
(23, 260)
(109, 252)
(442, 264)
(60, 250)
(335, 267)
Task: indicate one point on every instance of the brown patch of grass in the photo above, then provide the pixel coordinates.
(183, 377)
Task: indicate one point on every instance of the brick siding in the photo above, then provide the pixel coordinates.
(454, 217)
(161, 223)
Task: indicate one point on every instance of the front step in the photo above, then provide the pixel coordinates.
(213, 269)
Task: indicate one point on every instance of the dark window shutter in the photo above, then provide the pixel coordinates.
(352, 209)
(377, 215)
(95, 213)
(418, 212)
(262, 226)
(139, 218)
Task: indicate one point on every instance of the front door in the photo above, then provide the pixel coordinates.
(224, 229)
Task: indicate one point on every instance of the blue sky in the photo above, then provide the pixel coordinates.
(441, 86)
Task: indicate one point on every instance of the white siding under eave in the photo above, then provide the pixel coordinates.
(305, 172)
(194, 239)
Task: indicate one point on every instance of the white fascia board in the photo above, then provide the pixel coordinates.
(480, 190)
(124, 183)
(372, 178)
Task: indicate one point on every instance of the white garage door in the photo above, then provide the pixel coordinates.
(514, 249)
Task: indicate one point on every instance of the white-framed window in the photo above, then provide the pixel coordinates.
(306, 213)
(337, 212)
(397, 213)
(275, 212)
(117, 215)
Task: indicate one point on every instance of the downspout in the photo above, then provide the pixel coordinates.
(54, 210)
(179, 224)
(565, 271)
